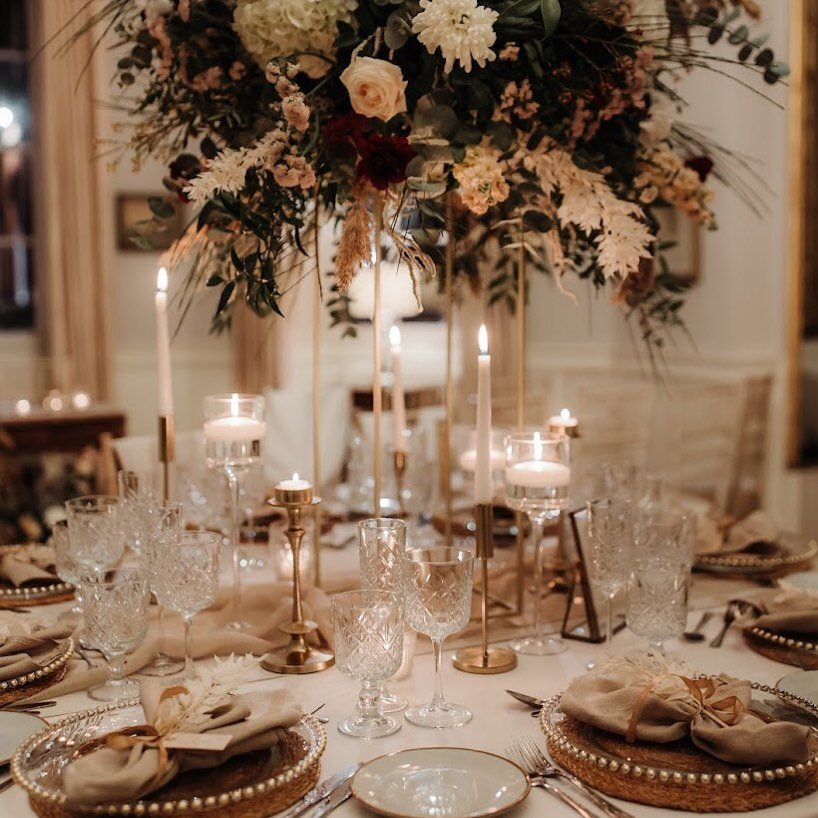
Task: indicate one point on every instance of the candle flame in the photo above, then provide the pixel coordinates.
(234, 405)
(394, 336)
(162, 280)
(295, 475)
(565, 414)
(483, 340)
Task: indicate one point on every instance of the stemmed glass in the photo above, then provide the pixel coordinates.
(234, 429)
(537, 476)
(437, 592)
(382, 541)
(116, 618)
(161, 537)
(94, 531)
(137, 498)
(368, 628)
(66, 566)
(609, 545)
(187, 579)
(657, 597)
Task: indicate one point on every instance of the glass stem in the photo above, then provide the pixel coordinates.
(656, 648)
(116, 666)
(368, 702)
(235, 531)
(438, 702)
(160, 654)
(190, 670)
(609, 632)
(537, 538)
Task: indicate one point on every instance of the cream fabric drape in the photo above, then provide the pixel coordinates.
(75, 290)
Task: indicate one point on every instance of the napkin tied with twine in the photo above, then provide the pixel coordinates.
(714, 712)
(135, 762)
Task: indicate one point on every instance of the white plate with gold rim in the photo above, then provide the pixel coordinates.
(440, 782)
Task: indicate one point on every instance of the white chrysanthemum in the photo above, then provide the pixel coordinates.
(462, 30)
(278, 28)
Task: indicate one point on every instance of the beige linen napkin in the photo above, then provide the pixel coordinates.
(668, 707)
(789, 611)
(265, 607)
(22, 564)
(24, 653)
(128, 769)
(755, 534)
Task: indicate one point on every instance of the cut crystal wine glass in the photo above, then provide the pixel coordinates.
(437, 592)
(382, 542)
(368, 628)
(94, 532)
(116, 617)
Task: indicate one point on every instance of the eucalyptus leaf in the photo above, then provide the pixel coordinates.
(397, 31)
(551, 12)
(538, 221)
(502, 134)
(739, 35)
(441, 119)
(224, 298)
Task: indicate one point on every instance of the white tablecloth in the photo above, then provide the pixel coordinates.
(498, 719)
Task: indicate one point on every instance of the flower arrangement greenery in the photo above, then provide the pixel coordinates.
(543, 124)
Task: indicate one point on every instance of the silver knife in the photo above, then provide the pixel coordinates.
(526, 699)
(322, 791)
(335, 799)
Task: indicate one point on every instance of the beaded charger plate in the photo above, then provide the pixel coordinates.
(253, 785)
(19, 687)
(800, 650)
(786, 554)
(678, 775)
(38, 593)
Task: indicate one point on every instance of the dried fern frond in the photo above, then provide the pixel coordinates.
(354, 246)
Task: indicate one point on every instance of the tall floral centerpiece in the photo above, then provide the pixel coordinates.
(552, 118)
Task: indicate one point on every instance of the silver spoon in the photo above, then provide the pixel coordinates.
(696, 634)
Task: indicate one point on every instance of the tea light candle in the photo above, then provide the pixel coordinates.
(538, 474)
(234, 427)
(163, 344)
(398, 395)
(295, 492)
(483, 486)
(563, 424)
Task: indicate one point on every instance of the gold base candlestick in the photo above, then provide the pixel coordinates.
(482, 658)
(400, 472)
(297, 656)
(166, 452)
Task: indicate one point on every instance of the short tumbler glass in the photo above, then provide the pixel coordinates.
(368, 627)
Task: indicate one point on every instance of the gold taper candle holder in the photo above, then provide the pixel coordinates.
(166, 452)
(399, 460)
(297, 656)
(482, 658)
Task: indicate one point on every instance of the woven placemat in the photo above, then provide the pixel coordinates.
(238, 773)
(782, 648)
(724, 792)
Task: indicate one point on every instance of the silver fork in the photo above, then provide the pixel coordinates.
(537, 765)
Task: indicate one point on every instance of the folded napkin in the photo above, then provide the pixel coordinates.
(23, 652)
(714, 712)
(129, 766)
(788, 611)
(21, 564)
(265, 606)
(755, 534)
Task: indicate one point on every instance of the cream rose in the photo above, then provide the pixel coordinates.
(376, 88)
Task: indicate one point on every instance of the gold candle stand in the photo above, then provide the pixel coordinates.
(400, 473)
(166, 452)
(297, 656)
(482, 658)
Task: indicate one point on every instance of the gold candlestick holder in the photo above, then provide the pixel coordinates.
(399, 461)
(166, 452)
(482, 658)
(297, 656)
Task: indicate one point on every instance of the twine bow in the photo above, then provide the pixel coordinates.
(725, 711)
(148, 735)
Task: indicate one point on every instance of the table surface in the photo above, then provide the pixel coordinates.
(498, 719)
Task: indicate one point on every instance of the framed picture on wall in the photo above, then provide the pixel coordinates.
(137, 228)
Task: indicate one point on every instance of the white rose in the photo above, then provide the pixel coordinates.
(376, 88)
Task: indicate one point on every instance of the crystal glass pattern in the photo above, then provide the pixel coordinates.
(116, 618)
(187, 579)
(66, 565)
(94, 531)
(537, 478)
(382, 542)
(368, 628)
(437, 592)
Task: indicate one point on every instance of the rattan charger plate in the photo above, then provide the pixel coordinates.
(253, 785)
(20, 687)
(679, 775)
(787, 648)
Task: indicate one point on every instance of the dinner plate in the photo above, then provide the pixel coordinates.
(803, 684)
(440, 782)
(15, 728)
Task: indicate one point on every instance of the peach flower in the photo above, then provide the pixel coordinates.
(376, 88)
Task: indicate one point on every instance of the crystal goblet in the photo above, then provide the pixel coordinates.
(66, 566)
(368, 628)
(537, 476)
(437, 586)
(116, 618)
